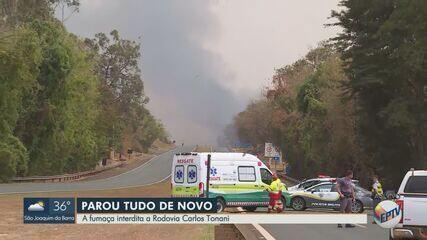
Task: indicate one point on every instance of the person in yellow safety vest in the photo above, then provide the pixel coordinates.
(275, 192)
(377, 189)
(377, 193)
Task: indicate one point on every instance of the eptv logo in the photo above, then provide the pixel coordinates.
(387, 214)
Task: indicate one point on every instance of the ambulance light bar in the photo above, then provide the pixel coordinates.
(186, 154)
(323, 176)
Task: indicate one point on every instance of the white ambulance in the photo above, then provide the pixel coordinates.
(236, 179)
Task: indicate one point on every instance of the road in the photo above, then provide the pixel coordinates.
(153, 171)
(315, 231)
(327, 231)
(158, 169)
(330, 232)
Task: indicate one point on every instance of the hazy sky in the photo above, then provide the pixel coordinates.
(204, 60)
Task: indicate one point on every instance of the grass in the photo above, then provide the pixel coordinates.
(208, 233)
(204, 148)
(12, 227)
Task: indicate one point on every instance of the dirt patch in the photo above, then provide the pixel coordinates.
(12, 227)
(203, 149)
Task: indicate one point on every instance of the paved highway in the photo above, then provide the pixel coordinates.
(331, 232)
(155, 170)
(326, 231)
(158, 169)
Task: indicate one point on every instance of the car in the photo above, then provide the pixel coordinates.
(236, 179)
(412, 199)
(324, 195)
(305, 184)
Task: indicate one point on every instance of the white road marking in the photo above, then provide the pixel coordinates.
(101, 189)
(258, 227)
(362, 226)
(264, 232)
(81, 190)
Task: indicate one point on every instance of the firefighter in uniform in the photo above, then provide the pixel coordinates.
(275, 192)
(377, 192)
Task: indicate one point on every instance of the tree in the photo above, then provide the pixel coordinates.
(20, 57)
(17, 11)
(383, 47)
(122, 88)
(64, 102)
(57, 124)
(304, 113)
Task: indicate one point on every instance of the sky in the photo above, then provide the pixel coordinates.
(204, 60)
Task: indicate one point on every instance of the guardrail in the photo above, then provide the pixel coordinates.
(290, 179)
(66, 177)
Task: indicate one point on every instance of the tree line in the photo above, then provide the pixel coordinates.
(65, 102)
(357, 101)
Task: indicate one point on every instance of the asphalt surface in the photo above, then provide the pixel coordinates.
(331, 232)
(326, 231)
(155, 170)
(316, 231)
(159, 168)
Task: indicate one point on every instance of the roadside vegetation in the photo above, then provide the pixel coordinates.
(357, 101)
(66, 102)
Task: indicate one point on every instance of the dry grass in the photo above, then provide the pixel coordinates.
(204, 149)
(12, 227)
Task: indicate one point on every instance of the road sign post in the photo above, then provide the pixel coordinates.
(208, 175)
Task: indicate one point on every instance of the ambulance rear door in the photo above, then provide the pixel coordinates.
(186, 176)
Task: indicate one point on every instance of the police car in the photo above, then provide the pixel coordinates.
(305, 184)
(325, 195)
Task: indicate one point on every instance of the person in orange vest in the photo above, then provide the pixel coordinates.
(275, 192)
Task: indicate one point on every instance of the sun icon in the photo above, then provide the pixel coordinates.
(41, 203)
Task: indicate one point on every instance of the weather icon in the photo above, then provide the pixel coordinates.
(36, 207)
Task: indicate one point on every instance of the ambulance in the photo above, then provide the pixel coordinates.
(236, 179)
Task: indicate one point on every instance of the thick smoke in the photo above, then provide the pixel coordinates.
(181, 76)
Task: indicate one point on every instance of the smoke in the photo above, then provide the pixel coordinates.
(182, 77)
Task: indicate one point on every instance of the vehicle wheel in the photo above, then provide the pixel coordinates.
(220, 203)
(298, 204)
(390, 195)
(357, 207)
(250, 208)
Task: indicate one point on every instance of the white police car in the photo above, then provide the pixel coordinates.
(324, 195)
(305, 184)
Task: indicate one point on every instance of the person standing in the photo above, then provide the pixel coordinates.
(345, 189)
(377, 193)
(275, 193)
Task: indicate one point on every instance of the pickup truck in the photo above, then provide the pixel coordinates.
(412, 199)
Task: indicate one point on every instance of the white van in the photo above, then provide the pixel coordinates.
(236, 179)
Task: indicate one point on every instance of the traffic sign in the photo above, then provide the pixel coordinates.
(269, 150)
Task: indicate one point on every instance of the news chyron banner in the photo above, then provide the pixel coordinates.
(160, 211)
